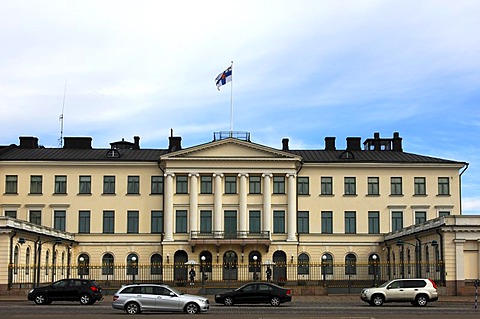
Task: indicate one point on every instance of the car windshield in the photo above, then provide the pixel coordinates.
(176, 291)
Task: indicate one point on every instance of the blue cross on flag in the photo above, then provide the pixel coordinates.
(224, 77)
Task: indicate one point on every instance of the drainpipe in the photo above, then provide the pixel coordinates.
(418, 247)
(35, 257)
(440, 249)
(163, 206)
(10, 263)
(460, 186)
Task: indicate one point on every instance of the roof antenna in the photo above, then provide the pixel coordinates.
(60, 140)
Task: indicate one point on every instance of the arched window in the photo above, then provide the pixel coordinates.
(107, 264)
(15, 260)
(27, 261)
(132, 264)
(303, 264)
(83, 265)
(409, 262)
(254, 265)
(156, 264)
(47, 257)
(207, 264)
(327, 264)
(427, 259)
(373, 263)
(63, 263)
(350, 264)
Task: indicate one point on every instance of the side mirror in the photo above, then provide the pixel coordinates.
(172, 294)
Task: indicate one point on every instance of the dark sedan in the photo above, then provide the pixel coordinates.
(255, 292)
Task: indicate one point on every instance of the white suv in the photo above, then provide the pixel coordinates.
(418, 291)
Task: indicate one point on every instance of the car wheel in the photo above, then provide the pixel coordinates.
(41, 299)
(228, 301)
(275, 301)
(132, 308)
(377, 300)
(421, 300)
(85, 299)
(191, 308)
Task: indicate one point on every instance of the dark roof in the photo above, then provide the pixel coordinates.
(366, 156)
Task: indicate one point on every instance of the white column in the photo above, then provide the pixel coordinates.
(291, 208)
(243, 204)
(168, 209)
(217, 207)
(459, 262)
(193, 202)
(267, 203)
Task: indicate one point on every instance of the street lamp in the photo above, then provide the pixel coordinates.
(134, 266)
(324, 261)
(202, 268)
(374, 257)
(255, 257)
(82, 266)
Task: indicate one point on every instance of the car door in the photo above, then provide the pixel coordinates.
(395, 291)
(148, 297)
(58, 290)
(247, 294)
(411, 288)
(263, 293)
(166, 300)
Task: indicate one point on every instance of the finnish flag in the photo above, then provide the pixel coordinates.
(224, 77)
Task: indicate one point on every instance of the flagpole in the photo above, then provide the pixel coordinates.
(231, 102)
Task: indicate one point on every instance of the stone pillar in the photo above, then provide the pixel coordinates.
(243, 205)
(168, 209)
(217, 207)
(267, 204)
(193, 203)
(459, 265)
(291, 208)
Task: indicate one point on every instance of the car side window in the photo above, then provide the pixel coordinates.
(395, 285)
(149, 290)
(60, 284)
(162, 291)
(249, 288)
(415, 284)
(127, 290)
(263, 287)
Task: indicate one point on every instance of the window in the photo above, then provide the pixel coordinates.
(156, 264)
(27, 261)
(303, 186)
(350, 186)
(35, 184)
(83, 267)
(11, 213)
(132, 266)
(230, 184)
(85, 185)
(108, 222)
(303, 264)
(373, 186)
(206, 184)
(36, 217)
(84, 221)
(132, 222)
(11, 184)
(156, 222)
(254, 222)
(397, 220)
(327, 222)
(350, 264)
(443, 186)
(206, 221)
(373, 222)
(107, 264)
(302, 223)
(443, 213)
(109, 184)
(255, 185)
(419, 186)
(279, 221)
(60, 184)
(373, 264)
(279, 184)
(326, 185)
(350, 223)
(327, 264)
(420, 217)
(182, 184)
(181, 221)
(133, 185)
(157, 185)
(396, 186)
(59, 219)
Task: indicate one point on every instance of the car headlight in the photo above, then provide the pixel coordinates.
(30, 291)
(365, 291)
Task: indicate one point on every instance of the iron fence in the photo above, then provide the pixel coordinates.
(229, 274)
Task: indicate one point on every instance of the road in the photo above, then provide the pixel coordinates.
(306, 309)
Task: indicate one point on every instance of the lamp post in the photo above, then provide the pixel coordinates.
(374, 257)
(134, 268)
(324, 260)
(255, 257)
(202, 268)
(82, 266)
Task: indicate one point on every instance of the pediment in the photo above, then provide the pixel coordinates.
(230, 148)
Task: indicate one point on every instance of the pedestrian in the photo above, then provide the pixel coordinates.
(192, 276)
(269, 273)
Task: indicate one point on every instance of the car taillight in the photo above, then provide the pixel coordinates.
(115, 298)
(433, 283)
(289, 292)
(93, 288)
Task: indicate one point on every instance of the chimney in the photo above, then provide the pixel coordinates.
(175, 143)
(376, 141)
(28, 142)
(397, 142)
(330, 144)
(136, 141)
(77, 142)
(353, 144)
(285, 144)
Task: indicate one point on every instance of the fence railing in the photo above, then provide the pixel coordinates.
(328, 275)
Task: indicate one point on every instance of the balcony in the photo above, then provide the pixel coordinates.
(218, 238)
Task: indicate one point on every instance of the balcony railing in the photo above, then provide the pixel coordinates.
(229, 235)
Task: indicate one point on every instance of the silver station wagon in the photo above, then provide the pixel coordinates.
(137, 298)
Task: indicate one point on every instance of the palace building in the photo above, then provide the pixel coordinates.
(231, 208)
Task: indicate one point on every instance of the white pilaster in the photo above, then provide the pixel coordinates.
(459, 260)
(217, 209)
(291, 208)
(193, 202)
(267, 203)
(243, 204)
(168, 210)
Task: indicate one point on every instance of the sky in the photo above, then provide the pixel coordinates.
(302, 70)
